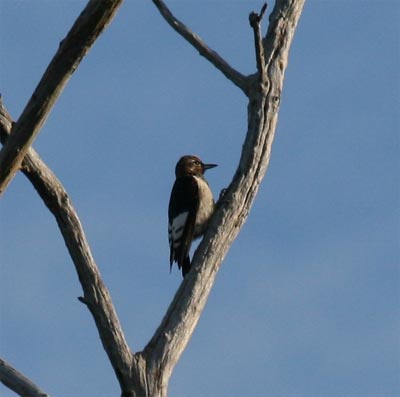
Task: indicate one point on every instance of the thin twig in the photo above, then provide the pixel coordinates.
(232, 74)
(86, 29)
(255, 23)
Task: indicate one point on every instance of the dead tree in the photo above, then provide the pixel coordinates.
(146, 372)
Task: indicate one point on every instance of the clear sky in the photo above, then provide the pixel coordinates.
(306, 303)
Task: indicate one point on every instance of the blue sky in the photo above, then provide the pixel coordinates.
(307, 300)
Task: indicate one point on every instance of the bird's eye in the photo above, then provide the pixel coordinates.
(197, 162)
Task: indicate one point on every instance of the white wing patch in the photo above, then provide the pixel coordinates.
(175, 229)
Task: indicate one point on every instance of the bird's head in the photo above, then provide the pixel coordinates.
(191, 165)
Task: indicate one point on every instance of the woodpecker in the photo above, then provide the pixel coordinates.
(190, 208)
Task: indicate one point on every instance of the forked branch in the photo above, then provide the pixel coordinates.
(170, 339)
(147, 373)
(232, 74)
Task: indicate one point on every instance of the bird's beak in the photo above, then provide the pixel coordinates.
(208, 166)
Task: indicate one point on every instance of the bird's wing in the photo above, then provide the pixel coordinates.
(182, 211)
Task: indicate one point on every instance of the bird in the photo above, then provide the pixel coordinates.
(190, 207)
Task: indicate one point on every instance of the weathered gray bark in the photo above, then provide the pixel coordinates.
(146, 373)
(96, 295)
(14, 380)
(87, 28)
(264, 92)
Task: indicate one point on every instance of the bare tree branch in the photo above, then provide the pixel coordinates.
(17, 382)
(232, 74)
(89, 25)
(173, 334)
(255, 22)
(96, 295)
(147, 373)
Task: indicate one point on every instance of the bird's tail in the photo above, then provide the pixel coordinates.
(185, 266)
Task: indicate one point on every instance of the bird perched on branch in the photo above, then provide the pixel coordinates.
(190, 207)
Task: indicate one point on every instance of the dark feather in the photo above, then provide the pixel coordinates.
(184, 198)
